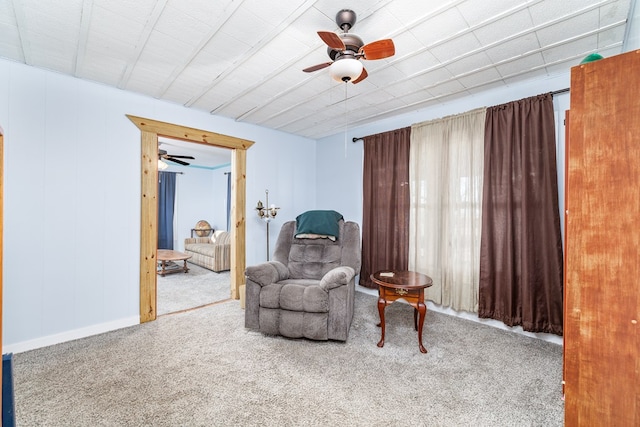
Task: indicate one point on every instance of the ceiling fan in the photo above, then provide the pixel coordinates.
(346, 49)
(163, 155)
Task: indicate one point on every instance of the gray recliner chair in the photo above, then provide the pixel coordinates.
(308, 289)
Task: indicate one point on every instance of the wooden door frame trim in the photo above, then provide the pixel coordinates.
(150, 131)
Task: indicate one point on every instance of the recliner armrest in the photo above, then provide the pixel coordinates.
(338, 276)
(267, 273)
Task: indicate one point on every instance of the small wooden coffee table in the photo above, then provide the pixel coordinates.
(408, 285)
(166, 255)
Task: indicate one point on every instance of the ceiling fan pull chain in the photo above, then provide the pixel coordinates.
(346, 119)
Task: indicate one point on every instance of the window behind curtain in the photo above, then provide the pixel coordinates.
(446, 164)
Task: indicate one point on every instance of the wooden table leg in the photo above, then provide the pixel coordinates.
(163, 264)
(382, 303)
(422, 309)
(185, 268)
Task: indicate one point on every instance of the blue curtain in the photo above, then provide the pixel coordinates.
(166, 200)
(228, 201)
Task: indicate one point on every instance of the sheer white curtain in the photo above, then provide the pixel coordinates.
(445, 175)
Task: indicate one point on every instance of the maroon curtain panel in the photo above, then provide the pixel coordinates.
(385, 219)
(521, 244)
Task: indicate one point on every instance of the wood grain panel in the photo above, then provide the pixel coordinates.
(149, 227)
(188, 134)
(603, 261)
(238, 220)
(567, 120)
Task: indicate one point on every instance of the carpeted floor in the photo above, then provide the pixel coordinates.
(197, 287)
(203, 368)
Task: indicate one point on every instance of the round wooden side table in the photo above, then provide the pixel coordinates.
(408, 285)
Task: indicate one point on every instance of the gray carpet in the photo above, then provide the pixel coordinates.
(197, 287)
(203, 368)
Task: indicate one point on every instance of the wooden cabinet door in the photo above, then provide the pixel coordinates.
(602, 307)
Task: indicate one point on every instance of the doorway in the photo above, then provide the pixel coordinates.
(150, 131)
(201, 174)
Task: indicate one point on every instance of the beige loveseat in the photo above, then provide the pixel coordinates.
(212, 252)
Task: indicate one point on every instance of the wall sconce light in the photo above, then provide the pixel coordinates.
(267, 213)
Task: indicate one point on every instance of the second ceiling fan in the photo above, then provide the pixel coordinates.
(163, 155)
(346, 49)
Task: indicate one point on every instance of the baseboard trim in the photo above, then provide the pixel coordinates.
(75, 334)
(474, 318)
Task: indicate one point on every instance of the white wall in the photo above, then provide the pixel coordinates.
(72, 200)
(195, 200)
(219, 196)
(201, 194)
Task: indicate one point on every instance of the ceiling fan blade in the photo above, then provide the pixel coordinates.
(363, 75)
(378, 49)
(317, 67)
(180, 162)
(181, 157)
(332, 40)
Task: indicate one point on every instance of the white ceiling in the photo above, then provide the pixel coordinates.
(206, 156)
(243, 59)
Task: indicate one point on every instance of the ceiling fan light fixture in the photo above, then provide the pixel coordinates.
(346, 69)
(162, 165)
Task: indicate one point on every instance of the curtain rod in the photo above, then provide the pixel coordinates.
(172, 172)
(555, 92)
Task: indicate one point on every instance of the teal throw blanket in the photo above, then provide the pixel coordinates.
(322, 223)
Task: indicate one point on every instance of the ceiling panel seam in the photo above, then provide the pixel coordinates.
(266, 77)
(142, 42)
(513, 58)
(449, 62)
(417, 104)
(446, 51)
(21, 23)
(413, 24)
(249, 53)
(426, 48)
(274, 73)
(627, 32)
(83, 34)
(228, 13)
